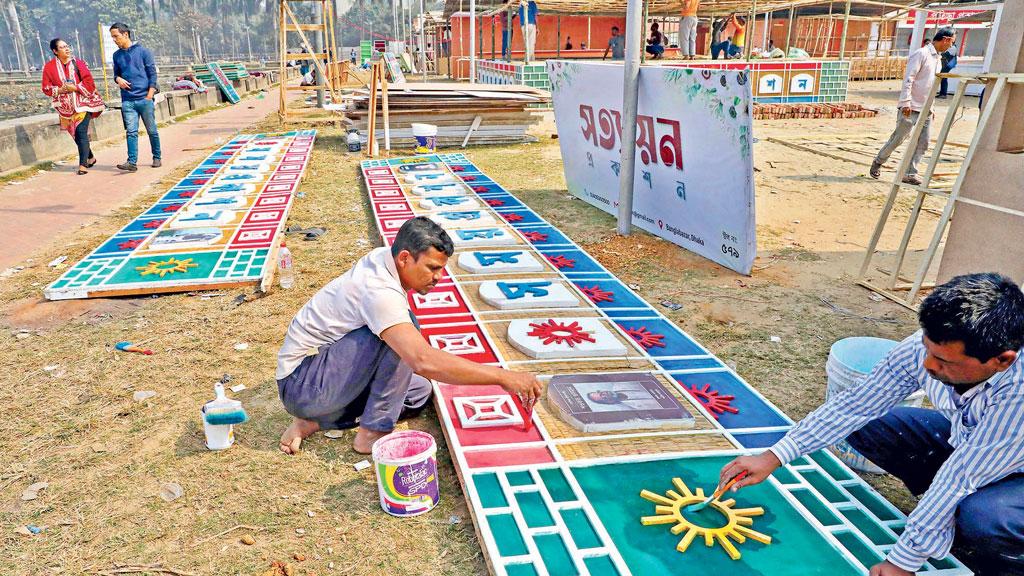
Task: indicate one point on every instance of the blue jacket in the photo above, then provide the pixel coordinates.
(137, 67)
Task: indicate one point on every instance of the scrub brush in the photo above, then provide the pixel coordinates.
(222, 410)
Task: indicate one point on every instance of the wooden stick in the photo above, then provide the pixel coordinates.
(384, 108)
(223, 532)
(371, 120)
(140, 569)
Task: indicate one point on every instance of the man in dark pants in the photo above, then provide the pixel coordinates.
(965, 458)
(371, 364)
(948, 57)
(135, 74)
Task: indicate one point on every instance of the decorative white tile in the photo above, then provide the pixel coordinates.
(456, 202)
(493, 262)
(452, 219)
(487, 411)
(458, 344)
(517, 294)
(545, 338)
(468, 237)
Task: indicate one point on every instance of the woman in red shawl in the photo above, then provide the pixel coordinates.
(69, 83)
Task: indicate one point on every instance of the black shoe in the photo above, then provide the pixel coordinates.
(157, 163)
(876, 169)
(128, 167)
(942, 96)
(912, 179)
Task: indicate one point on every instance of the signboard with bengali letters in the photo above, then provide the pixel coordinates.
(694, 165)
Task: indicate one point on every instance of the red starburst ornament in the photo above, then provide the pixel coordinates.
(554, 332)
(153, 224)
(561, 261)
(172, 207)
(457, 168)
(512, 216)
(187, 194)
(131, 244)
(535, 236)
(198, 182)
(596, 294)
(646, 338)
(209, 171)
(714, 402)
(468, 178)
(480, 189)
(495, 202)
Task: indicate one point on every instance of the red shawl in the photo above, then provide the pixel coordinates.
(71, 106)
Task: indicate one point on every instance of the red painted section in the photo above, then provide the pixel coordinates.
(485, 436)
(484, 356)
(492, 458)
(440, 300)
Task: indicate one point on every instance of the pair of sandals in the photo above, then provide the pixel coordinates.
(89, 165)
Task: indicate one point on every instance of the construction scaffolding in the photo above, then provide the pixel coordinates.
(321, 52)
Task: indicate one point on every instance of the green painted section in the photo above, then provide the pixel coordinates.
(521, 570)
(824, 486)
(600, 566)
(785, 476)
(860, 550)
(582, 532)
(489, 490)
(831, 465)
(520, 478)
(129, 274)
(534, 511)
(868, 527)
(614, 491)
(871, 502)
(817, 508)
(801, 461)
(558, 487)
(555, 555)
(506, 535)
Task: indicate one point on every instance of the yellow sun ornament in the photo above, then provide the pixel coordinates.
(169, 266)
(670, 510)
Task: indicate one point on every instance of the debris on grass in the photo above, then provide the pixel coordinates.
(247, 539)
(334, 434)
(238, 387)
(361, 465)
(671, 305)
(143, 395)
(171, 491)
(775, 339)
(32, 492)
(241, 346)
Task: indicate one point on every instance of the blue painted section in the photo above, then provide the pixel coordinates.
(113, 245)
(691, 364)
(138, 225)
(754, 412)
(582, 262)
(759, 439)
(508, 202)
(676, 342)
(554, 236)
(529, 217)
(163, 210)
(621, 296)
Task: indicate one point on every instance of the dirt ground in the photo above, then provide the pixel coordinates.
(69, 417)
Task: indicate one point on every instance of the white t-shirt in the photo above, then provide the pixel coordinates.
(369, 294)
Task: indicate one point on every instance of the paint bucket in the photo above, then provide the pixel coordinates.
(218, 437)
(850, 360)
(426, 138)
(406, 466)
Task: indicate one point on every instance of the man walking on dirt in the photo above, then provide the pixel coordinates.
(922, 66)
(354, 356)
(965, 456)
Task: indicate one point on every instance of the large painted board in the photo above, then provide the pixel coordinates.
(693, 182)
(224, 83)
(547, 499)
(218, 227)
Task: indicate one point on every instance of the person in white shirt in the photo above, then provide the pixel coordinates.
(922, 66)
(369, 364)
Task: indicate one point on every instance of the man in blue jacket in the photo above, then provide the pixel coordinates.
(135, 73)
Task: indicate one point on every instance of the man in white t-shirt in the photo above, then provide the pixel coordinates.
(369, 364)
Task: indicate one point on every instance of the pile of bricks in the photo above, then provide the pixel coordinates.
(789, 111)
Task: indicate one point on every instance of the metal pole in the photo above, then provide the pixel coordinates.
(508, 19)
(846, 25)
(917, 36)
(423, 41)
(748, 28)
(630, 95)
(472, 40)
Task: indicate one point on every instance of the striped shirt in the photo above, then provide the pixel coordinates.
(987, 435)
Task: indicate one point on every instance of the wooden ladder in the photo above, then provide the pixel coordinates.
(329, 74)
(898, 287)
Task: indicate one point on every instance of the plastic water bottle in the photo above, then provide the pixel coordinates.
(353, 141)
(285, 267)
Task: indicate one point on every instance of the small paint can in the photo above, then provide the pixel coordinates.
(426, 138)
(218, 437)
(406, 465)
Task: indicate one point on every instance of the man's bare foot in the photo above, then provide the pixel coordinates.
(294, 435)
(363, 443)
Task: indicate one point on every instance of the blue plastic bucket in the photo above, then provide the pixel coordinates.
(850, 360)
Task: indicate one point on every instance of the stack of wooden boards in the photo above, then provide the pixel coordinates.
(788, 111)
(877, 67)
(233, 70)
(453, 108)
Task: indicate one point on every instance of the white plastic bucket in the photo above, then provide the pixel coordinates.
(426, 138)
(850, 360)
(406, 466)
(217, 437)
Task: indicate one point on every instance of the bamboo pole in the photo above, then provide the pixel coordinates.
(846, 26)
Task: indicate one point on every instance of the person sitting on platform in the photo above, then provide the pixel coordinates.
(965, 457)
(655, 44)
(369, 364)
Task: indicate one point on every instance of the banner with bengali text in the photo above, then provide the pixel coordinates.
(694, 181)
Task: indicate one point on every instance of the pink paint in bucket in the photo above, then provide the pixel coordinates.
(406, 465)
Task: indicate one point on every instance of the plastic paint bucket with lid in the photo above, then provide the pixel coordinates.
(426, 138)
(850, 360)
(406, 465)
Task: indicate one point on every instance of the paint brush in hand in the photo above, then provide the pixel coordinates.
(526, 411)
(718, 493)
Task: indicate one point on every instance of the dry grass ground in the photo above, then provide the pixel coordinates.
(68, 417)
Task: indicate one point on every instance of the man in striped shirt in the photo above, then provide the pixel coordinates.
(965, 457)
